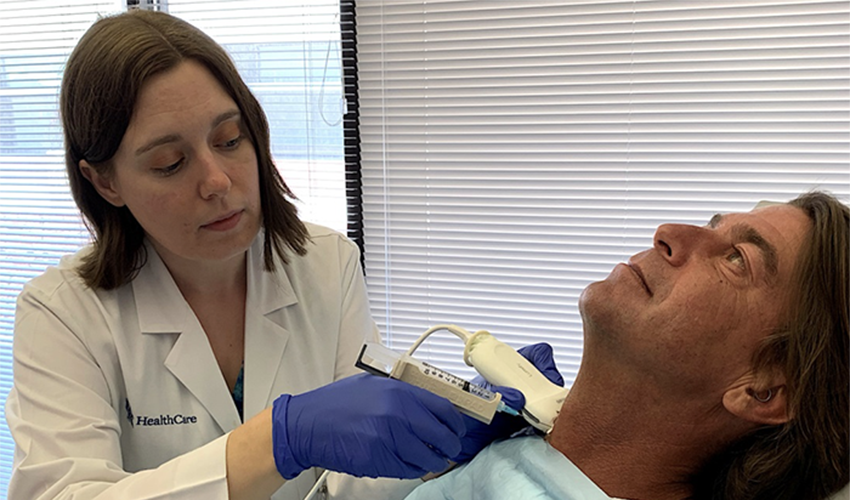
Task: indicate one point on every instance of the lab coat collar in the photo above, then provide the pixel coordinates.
(269, 290)
(157, 294)
(265, 335)
(162, 309)
(159, 304)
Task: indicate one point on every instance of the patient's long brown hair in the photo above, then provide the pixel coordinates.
(101, 83)
(806, 458)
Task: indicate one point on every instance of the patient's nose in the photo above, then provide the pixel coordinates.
(677, 243)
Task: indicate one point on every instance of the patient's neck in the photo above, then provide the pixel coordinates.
(632, 443)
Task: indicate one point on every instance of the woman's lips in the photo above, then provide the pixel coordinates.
(224, 223)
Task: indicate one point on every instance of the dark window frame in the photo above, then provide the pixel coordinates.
(351, 126)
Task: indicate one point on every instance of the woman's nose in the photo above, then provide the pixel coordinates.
(215, 181)
(678, 242)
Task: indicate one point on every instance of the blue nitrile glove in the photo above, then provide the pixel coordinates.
(365, 426)
(542, 357)
(478, 434)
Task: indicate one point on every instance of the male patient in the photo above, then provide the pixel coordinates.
(715, 367)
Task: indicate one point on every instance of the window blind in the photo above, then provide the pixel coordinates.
(287, 51)
(514, 152)
(38, 220)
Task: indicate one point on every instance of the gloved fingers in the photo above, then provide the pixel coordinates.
(421, 458)
(542, 357)
(478, 434)
(510, 396)
(410, 472)
(440, 408)
(503, 425)
(366, 426)
(435, 422)
(481, 382)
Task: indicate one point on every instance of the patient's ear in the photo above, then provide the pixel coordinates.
(762, 402)
(102, 183)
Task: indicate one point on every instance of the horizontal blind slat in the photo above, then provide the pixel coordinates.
(513, 153)
(288, 52)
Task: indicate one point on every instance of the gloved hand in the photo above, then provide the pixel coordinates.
(365, 426)
(541, 356)
(478, 434)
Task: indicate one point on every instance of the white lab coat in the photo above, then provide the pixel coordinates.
(117, 394)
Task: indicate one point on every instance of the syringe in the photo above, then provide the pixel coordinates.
(500, 364)
(471, 399)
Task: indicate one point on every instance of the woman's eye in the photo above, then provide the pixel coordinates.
(170, 169)
(232, 143)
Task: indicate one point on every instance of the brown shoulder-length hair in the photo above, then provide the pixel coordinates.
(101, 83)
(807, 457)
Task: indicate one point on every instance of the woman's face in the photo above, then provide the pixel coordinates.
(186, 169)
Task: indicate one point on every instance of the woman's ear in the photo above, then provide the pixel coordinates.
(759, 401)
(103, 184)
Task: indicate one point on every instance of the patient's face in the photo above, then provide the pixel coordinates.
(690, 311)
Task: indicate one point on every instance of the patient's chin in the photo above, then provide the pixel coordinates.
(599, 310)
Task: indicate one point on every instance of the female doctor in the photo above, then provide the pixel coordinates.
(202, 300)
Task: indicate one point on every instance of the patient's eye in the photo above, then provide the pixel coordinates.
(737, 258)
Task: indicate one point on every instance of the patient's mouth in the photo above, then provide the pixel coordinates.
(639, 273)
